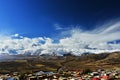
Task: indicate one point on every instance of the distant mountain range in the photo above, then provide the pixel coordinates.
(58, 53)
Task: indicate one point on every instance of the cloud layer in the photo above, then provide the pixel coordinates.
(78, 42)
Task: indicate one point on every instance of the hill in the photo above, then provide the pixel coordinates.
(30, 64)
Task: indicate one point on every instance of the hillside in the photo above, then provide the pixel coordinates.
(52, 63)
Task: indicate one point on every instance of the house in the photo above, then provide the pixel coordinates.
(32, 78)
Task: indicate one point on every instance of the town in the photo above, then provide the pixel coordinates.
(99, 74)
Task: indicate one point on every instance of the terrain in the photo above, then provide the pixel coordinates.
(30, 64)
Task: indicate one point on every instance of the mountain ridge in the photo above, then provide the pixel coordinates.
(52, 63)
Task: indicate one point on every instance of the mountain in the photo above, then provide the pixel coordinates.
(29, 64)
(58, 52)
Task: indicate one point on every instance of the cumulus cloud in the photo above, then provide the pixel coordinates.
(78, 42)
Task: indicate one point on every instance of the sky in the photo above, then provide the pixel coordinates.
(86, 24)
(39, 17)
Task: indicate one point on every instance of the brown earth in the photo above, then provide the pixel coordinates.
(52, 63)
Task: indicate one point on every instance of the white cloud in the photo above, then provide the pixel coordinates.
(77, 42)
(16, 35)
(58, 27)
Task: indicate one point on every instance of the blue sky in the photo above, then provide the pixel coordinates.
(24, 17)
(35, 18)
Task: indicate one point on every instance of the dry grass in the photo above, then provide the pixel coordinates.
(91, 61)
